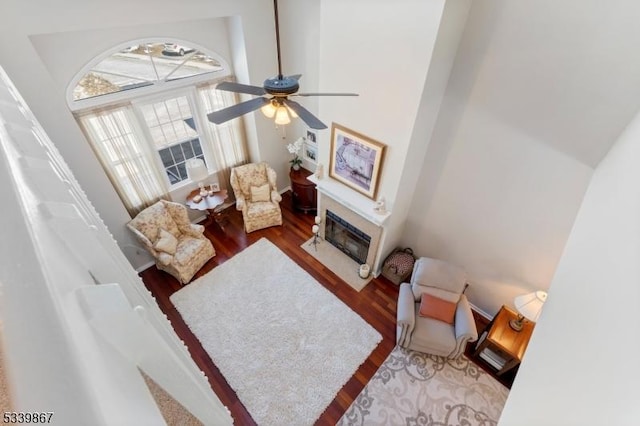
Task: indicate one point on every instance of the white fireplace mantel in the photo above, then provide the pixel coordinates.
(350, 198)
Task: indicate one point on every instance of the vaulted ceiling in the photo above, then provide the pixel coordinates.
(567, 76)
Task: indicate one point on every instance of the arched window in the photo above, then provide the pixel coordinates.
(144, 64)
(143, 107)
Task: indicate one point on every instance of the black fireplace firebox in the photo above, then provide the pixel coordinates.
(346, 237)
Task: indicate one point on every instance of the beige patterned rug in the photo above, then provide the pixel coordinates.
(412, 388)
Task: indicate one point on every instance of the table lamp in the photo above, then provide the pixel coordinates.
(529, 307)
(197, 172)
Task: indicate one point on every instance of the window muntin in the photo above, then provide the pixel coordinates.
(174, 134)
(144, 65)
(174, 159)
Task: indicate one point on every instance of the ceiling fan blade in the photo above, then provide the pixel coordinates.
(236, 110)
(305, 115)
(241, 88)
(326, 94)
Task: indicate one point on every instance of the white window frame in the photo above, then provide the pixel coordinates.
(197, 114)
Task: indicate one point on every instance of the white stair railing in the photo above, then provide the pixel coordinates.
(78, 323)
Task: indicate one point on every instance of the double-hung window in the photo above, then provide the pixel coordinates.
(172, 130)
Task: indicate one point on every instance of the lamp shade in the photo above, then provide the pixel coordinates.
(282, 116)
(269, 110)
(196, 169)
(530, 305)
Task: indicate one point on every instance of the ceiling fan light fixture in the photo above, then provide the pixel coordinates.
(273, 96)
(291, 112)
(269, 110)
(282, 116)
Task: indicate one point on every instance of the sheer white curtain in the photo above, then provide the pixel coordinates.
(229, 141)
(122, 152)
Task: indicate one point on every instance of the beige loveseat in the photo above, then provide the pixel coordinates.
(178, 246)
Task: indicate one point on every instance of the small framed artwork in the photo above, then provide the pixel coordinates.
(215, 187)
(356, 160)
(311, 152)
(311, 137)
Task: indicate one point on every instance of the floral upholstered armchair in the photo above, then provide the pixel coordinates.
(178, 246)
(254, 186)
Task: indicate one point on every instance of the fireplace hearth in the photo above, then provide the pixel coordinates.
(346, 237)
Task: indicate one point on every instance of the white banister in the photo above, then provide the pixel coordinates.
(78, 323)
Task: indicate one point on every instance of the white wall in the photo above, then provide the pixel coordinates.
(580, 367)
(397, 56)
(300, 42)
(520, 129)
(502, 209)
(371, 48)
(40, 22)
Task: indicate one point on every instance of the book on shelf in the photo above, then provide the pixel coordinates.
(492, 358)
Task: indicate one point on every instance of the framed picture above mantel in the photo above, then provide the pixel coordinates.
(356, 160)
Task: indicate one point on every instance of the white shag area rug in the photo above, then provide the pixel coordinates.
(285, 344)
(413, 388)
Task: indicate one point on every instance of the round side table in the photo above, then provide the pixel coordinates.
(209, 204)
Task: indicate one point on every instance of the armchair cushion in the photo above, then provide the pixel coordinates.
(166, 243)
(260, 193)
(438, 278)
(251, 175)
(433, 336)
(436, 308)
(165, 258)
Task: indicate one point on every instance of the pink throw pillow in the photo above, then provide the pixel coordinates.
(436, 308)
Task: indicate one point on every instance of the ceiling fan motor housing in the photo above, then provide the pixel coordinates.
(281, 86)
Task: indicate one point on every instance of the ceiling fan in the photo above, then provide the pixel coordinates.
(274, 96)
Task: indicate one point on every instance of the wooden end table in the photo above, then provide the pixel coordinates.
(509, 343)
(303, 191)
(209, 204)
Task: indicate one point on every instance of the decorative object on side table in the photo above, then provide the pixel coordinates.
(210, 204)
(294, 148)
(529, 307)
(501, 346)
(197, 172)
(356, 160)
(213, 188)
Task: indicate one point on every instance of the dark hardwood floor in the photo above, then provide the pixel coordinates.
(376, 303)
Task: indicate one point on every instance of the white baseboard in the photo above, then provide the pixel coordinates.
(145, 266)
(481, 312)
